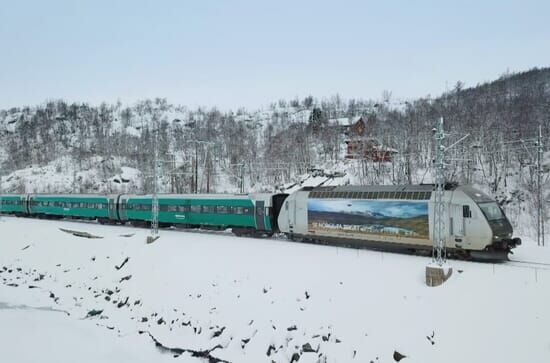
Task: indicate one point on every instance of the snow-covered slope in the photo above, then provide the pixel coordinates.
(257, 300)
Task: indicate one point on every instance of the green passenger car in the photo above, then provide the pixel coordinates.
(76, 205)
(214, 210)
(12, 203)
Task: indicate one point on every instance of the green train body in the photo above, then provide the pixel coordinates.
(13, 204)
(80, 206)
(243, 213)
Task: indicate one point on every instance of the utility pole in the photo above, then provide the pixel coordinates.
(540, 194)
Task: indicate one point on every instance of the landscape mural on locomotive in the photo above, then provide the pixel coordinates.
(357, 218)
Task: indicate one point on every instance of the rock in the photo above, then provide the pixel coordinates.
(291, 328)
(218, 333)
(244, 342)
(92, 313)
(306, 348)
(307, 295)
(123, 263)
(398, 356)
(144, 319)
(122, 303)
(125, 278)
(295, 357)
(270, 350)
(161, 321)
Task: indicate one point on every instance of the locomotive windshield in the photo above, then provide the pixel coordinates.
(491, 210)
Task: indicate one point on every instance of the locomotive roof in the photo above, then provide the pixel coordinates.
(381, 188)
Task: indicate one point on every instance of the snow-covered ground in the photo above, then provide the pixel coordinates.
(70, 299)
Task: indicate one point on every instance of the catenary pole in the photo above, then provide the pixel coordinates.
(439, 254)
(540, 194)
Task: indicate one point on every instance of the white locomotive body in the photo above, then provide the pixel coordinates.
(398, 217)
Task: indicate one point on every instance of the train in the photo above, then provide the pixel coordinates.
(382, 217)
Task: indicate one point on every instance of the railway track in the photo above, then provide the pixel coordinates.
(528, 264)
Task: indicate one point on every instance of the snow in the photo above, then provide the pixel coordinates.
(370, 303)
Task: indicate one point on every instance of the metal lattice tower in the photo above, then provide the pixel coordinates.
(439, 255)
(540, 196)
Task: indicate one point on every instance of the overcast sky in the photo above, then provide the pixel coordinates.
(248, 53)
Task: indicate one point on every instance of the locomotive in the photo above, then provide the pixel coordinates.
(396, 217)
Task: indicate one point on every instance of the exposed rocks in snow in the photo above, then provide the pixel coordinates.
(218, 332)
(24, 248)
(206, 354)
(295, 357)
(125, 278)
(79, 233)
(398, 356)
(431, 338)
(93, 313)
(123, 263)
(123, 303)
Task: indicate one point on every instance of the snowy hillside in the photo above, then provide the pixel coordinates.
(233, 299)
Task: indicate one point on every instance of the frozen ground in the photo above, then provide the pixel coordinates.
(65, 299)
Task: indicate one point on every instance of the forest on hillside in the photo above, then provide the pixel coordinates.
(279, 143)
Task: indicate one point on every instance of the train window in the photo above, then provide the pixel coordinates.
(238, 210)
(208, 209)
(246, 210)
(222, 209)
(196, 208)
(172, 208)
(466, 212)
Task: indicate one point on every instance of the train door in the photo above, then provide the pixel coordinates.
(113, 207)
(457, 221)
(123, 208)
(259, 213)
